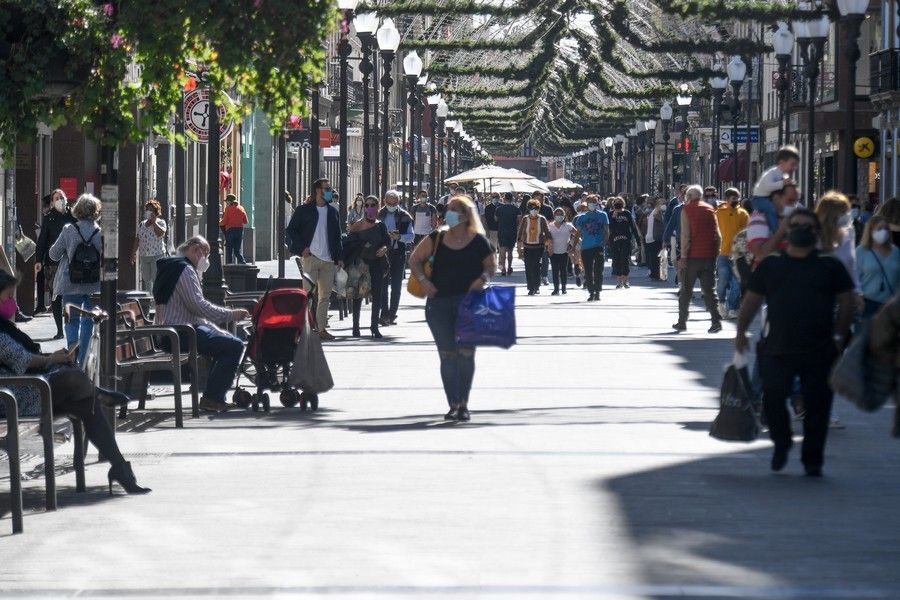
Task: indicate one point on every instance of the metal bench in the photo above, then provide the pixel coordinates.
(15, 428)
(139, 354)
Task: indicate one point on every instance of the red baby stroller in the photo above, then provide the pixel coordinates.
(278, 320)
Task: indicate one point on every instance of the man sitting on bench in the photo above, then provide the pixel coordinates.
(179, 301)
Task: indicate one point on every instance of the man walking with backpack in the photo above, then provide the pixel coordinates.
(78, 250)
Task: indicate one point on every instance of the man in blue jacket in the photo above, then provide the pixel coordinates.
(314, 233)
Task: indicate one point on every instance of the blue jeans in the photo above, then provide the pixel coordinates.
(457, 362)
(224, 350)
(393, 284)
(234, 244)
(79, 329)
(728, 288)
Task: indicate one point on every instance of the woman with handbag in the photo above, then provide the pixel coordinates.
(461, 259)
(365, 256)
(878, 265)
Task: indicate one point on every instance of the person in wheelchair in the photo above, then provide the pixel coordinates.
(179, 301)
(74, 394)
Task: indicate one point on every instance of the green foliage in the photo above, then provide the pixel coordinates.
(244, 45)
(394, 8)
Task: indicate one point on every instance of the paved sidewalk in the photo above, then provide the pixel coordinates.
(586, 472)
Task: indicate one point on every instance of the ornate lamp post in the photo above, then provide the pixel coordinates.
(853, 13)
(717, 83)
(683, 99)
(450, 127)
(344, 49)
(442, 111)
(366, 24)
(458, 130)
(783, 42)
(737, 71)
(650, 128)
(812, 36)
(412, 69)
(665, 115)
(607, 178)
(388, 41)
(641, 171)
(433, 101)
(620, 139)
(632, 159)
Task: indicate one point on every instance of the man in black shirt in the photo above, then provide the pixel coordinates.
(801, 336)
(490, 219)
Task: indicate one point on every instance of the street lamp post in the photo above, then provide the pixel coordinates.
(641, 171)
(433, 101)
(388, 41)
(458, 130)
(412, 69)
(683, 99)
(717, 83)
(632, 160)
(813, 35)
(607, 175)
(665, 115)
(853, 13)
(344, 49)
(783, 42)
(620, 139)
(737, 71)
(650, 128)
(442, 111)
(366, 24)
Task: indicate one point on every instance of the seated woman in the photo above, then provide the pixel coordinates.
(73, 393)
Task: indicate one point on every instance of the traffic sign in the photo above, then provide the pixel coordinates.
(725, 136)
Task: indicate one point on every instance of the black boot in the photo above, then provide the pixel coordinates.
(124, 476)
(111, 397)
(21, 317)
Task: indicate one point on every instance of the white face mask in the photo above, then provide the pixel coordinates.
(391, 208)
(592, 207)
(203, 265)
(533, 212)
(880, 236)
(60, 205)
(787, 211)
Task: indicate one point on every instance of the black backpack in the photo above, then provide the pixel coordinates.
(84, 264)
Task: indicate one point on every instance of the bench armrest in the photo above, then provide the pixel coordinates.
(168, 332)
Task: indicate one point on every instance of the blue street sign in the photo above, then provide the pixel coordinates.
(741, 135)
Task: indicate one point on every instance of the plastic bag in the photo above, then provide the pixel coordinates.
(664, 264)
(857, 376)
(310, 371)
(488, 317)
(340, 283)
(737, 420)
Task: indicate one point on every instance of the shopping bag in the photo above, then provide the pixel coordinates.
(340, 283)
(310, 371)
(737, 420)
(488, 317)
(25, 246)
(664, 264)
(859, 377)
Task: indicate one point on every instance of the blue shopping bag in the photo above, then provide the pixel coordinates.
(488, 317)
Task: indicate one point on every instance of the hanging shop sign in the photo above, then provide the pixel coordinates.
(864, 147)
(196, 116)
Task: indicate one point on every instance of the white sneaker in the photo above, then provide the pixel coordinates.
(732, 315)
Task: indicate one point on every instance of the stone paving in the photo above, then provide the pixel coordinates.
(586, 472)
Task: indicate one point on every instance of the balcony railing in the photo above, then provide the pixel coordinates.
(884, 71)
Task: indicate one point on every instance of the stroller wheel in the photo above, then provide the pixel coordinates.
(241, 398)
(265, 401)
(288, 398)
(257, 400)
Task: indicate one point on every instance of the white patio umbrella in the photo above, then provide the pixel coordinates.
(563, 184)
(485, 173)
(517, 186)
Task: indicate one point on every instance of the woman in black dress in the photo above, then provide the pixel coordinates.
(622, 234)
(365, 252)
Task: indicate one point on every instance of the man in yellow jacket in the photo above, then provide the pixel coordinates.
(732, 219)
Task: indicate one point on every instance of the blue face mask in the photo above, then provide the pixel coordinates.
(451, 218)
(328, 195)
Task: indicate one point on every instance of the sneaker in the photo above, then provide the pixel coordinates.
(462, 414)
(555, 293)
(325, 336)
(679, 326)
(597, 296)
(451, 415)
(578, 280)
(618, 286)
(716, 327)
(591, 297)
(503, 273)
(564, 292)
(732, 315)
(531, 292)
(626, 285)
(210, 405)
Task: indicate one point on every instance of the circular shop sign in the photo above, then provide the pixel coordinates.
(864, 147)
(196, 116)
